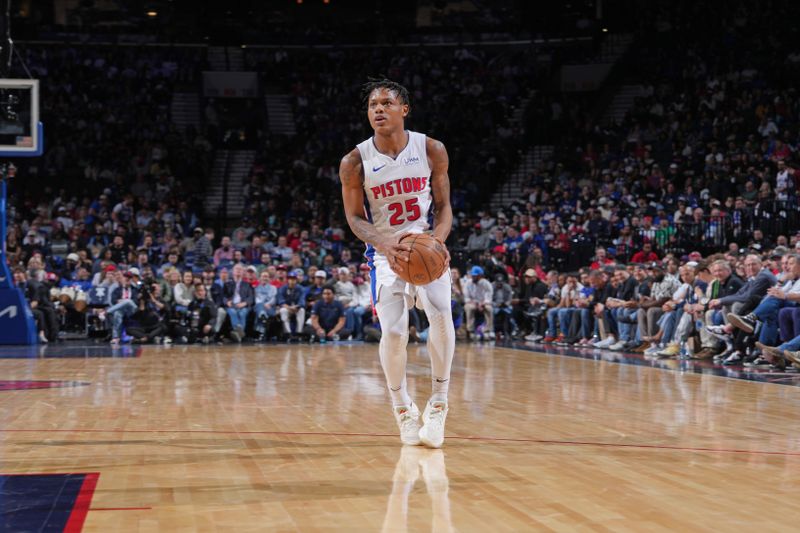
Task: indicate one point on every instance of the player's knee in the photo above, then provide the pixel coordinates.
(436, 315)
(396, 332)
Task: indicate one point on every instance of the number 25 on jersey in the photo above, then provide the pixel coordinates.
(410, 208)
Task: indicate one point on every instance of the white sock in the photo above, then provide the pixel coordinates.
(439, 389)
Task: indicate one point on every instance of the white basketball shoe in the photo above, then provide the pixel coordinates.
(408, 421)
(432, 432)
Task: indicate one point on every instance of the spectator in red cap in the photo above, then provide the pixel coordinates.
(646, 254)
(105, 276)
(497, 263)
(280, 277)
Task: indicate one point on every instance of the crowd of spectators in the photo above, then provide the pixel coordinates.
(732, 307)
(90, 98)
(706, 156)
(115, 244)
(698, 180)
(464, 96)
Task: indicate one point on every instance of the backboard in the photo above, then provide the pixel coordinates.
(20, 129)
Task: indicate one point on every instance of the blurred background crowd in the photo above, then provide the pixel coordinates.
(679, 164)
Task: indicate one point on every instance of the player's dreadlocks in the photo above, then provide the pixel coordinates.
(383, 83)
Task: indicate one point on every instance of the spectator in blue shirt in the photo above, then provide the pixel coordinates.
(327, 318)
(266, 300)
(292, 303)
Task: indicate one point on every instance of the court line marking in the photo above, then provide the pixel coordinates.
(451, 437)
(81, 506)
(120, 508)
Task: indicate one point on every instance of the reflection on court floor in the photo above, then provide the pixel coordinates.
(63, 350)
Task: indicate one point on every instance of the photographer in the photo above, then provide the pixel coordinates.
(150, 320)
(202, 316)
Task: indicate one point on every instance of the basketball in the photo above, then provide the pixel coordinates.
(427, 260)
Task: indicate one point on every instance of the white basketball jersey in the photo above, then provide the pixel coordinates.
(397, 200)
(398, 190)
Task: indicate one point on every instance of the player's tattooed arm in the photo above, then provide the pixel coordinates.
(440, 187)
(351, 173)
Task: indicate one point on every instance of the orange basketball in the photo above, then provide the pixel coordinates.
(427, 260)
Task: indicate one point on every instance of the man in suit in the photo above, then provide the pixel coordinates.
(123, 305)
(39, 300)
(765, 316)
(215, 292)
(742, 302)
(239, 299)
(725, 283)
(203, 315)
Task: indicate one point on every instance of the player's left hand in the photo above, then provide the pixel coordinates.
(396, 253)
(446, 251)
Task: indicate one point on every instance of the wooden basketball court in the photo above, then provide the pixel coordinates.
(301, 438)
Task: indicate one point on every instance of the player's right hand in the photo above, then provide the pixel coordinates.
(395, 252)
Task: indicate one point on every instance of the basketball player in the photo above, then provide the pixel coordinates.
(393, 184)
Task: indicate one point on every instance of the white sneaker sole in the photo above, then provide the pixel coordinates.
(424, 439)
(407, 442)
